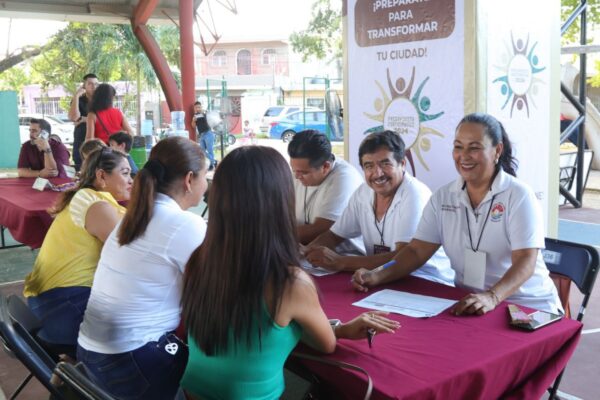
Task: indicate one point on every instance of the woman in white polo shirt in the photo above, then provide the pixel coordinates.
(126, 339)
(489, 223)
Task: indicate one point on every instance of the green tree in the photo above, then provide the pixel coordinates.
(592, 15)
(14, 79)
(110, 51)
(322, 38)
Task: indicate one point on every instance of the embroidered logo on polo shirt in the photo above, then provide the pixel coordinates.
(497, 212)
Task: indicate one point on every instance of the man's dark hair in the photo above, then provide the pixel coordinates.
(313, 145)
(197, 103)
(376, 140)
(88, 76)
(44, 125)
(122, 137)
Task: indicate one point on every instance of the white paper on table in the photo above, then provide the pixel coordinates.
(412, 305)
(316, 271)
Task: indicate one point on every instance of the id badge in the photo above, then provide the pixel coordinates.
(474, 269)
(378, 249)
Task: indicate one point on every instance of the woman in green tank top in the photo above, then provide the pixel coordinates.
(246, 304)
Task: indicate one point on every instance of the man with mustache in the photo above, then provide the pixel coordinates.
(323, 186)
(385, 211)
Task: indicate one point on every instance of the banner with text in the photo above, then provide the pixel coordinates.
(405, 73)
(518, 84)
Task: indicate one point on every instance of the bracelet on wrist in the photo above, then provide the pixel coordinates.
(335, 323)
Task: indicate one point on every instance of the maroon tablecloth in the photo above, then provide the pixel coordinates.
(444, 357)
(23, 209)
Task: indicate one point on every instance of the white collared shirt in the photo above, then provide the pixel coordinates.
(137, 288)
(329, 199)
(401, 222)
(514, 222)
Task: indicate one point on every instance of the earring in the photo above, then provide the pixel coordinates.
(188, 191)
(496, 161)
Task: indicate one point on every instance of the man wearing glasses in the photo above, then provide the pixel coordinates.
(385, 211)
(323, 186)
(42, 156)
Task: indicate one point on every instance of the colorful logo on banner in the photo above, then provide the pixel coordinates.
(497, 212)
(401, 111)
(519, 66)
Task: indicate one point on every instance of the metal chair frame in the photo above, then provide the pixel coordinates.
(19, 342)
(578, 262)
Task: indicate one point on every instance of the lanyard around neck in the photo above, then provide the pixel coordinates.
(381, 231)
(312, 196)
(476, 249)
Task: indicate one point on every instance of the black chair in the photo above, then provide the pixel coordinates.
(579, 263)
(22, 345)
(76, 379)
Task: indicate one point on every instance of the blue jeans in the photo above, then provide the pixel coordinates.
(207, 142)
(61, 311)
(149, 372)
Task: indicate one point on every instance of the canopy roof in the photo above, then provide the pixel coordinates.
(104, 11)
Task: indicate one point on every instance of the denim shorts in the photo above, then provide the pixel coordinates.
(152, 371)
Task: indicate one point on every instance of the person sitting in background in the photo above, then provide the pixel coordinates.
(489, 223)
(246, 303)
(103, 119)
(134, 306)
(323, 186)
(122, 141)
(384, 211)
(90, 146)
(58, 287)
(42, 156)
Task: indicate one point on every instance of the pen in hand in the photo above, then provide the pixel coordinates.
(370, 335)
(380, 268)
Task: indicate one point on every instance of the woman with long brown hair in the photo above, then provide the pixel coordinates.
(126, 339)
(58, 288)
(246, 303)
(103, 119)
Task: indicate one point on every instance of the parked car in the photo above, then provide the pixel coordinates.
(275, 113)
(293, 123)
(63, 117)
(60, 128)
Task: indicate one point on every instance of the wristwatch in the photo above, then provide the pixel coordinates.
(48, 150)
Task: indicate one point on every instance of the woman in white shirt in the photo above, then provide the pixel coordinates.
(126, 339)
(489, 223)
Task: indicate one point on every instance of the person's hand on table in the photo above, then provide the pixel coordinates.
(302, 249)
(48, 173)
(321, 256)
(358, 327)
(475, 303)
(363, 279)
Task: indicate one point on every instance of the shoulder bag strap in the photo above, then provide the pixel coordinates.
(102, 123)
(339, 364)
